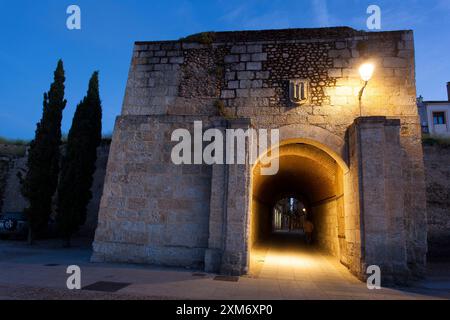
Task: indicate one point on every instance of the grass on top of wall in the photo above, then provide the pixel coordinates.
(432, 140)
(14, 142)
(13, 147)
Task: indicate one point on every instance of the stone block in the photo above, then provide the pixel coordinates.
(231, 58)
(254, 48)
(177, 60)
(239, 49)
(335, 72)
(228, 94)
(230, 76)
(394, 62)
(259, 56)
(262, 75)
(262, 93)
(246, 75)
(341, 45)
(233, 84)
(154, 46)
(154, 60)
(341, 63)
(247, 84)
(161, 53)
(254, 66)
(238, 66)
(344, 91)
(242, 93)
(246, 57)
(343, 53)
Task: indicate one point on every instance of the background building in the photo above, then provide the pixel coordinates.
(434, 115)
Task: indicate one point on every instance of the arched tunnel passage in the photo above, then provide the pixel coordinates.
(311, 178)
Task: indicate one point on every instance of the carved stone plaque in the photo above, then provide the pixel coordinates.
(298, 91)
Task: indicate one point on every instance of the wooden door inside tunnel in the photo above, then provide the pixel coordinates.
(308, 188)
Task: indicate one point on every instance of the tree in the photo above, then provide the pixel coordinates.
(41, 179)
(78, 165)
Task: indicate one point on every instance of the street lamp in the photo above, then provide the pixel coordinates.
(366, 72)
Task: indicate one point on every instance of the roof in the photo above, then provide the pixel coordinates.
(435, 102)
(283, 34)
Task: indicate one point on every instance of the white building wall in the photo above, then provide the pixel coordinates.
(438, 129)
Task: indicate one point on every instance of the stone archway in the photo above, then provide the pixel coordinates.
(323, 139)
(366, 197)
(308, 170)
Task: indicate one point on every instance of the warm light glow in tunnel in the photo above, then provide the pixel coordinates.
(311, 175)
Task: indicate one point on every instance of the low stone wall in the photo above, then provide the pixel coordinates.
(14, 160)
(437, 167)
(4, 169)
(10, 156)
(13, 201)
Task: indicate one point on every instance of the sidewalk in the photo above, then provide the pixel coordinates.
(39, 272)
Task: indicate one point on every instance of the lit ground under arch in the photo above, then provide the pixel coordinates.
(305, 172)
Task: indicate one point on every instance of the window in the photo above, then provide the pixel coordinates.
(439, 118)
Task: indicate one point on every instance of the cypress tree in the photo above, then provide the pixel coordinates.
(41, 179)
(78, 165)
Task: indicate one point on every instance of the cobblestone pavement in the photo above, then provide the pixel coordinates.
(39, 272)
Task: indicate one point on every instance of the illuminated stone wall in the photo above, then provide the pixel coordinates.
(326, 226)
(242, 79)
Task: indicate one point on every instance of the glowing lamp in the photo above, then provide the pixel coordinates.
(366, 71)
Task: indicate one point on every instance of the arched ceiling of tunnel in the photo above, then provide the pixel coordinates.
(304, 170)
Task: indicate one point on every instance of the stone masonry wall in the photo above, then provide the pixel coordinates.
(152, 211)
(326, 227)
(4, 169)
(245, 75)
(437, 167)
(382, 211)
(12, 160)
(13, 201)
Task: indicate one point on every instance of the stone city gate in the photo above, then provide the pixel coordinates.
(359, 163)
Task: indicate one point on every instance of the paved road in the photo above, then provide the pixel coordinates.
(39, 272)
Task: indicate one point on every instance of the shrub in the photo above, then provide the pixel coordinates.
(202, 38)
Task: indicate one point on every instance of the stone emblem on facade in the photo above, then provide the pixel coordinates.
(298, 91)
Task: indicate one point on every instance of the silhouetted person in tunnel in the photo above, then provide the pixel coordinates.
(308, 227)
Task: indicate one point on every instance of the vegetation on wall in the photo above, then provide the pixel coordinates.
(218, 71)
(202, 38)
(223, 112)
(14, 142)
(431, 140)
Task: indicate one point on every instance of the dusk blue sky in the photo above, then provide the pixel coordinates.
(33, 36)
